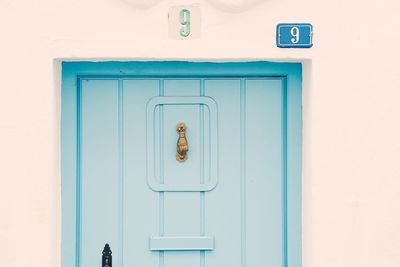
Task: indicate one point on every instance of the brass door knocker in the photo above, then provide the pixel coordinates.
(182, 144)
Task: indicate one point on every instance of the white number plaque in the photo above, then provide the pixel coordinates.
(184, 22)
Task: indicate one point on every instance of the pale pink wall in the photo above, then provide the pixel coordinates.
(351, 194)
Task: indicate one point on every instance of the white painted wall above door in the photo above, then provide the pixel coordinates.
(226, 5)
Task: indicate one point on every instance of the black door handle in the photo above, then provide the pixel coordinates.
(107, 258)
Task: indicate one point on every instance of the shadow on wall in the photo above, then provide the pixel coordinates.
(226, 5)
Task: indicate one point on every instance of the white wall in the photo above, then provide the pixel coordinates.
(351, 193)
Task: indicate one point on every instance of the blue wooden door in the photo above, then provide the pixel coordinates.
(234, 201)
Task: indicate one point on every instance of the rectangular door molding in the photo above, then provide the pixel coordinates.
(185, 184)
(236, 199)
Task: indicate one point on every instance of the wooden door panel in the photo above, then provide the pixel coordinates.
(233, 202)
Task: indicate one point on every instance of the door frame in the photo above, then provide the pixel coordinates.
(74, 72)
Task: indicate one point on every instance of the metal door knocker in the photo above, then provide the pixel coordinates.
(182, 144)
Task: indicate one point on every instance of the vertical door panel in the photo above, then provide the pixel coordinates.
(99, 180)
(141, 211)
(264, 176)
(182, 209)
(222, 205)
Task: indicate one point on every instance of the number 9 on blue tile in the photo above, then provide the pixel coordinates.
(294, 35)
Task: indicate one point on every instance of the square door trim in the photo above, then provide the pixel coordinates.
(182, 100)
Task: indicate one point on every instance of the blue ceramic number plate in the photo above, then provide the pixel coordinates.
(294, 35)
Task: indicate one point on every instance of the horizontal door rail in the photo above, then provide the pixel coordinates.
(181, 243)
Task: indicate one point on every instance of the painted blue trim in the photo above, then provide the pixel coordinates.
(243, 240)
(202, 173)
(78, 173)
(179, 69)
(284, 172)
(121, 168)
(161, 194)
(73, 72)
(293, 170)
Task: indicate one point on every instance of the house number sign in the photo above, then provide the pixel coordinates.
(184, 22)
(294, 35)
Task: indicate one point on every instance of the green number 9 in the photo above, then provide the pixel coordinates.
(185, 22)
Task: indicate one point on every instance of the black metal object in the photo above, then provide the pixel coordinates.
(107, 258)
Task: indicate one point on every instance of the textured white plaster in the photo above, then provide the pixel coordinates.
(235, 5)
(226, 5)
(142, 3)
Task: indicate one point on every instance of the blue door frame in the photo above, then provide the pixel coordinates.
(74, 72)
